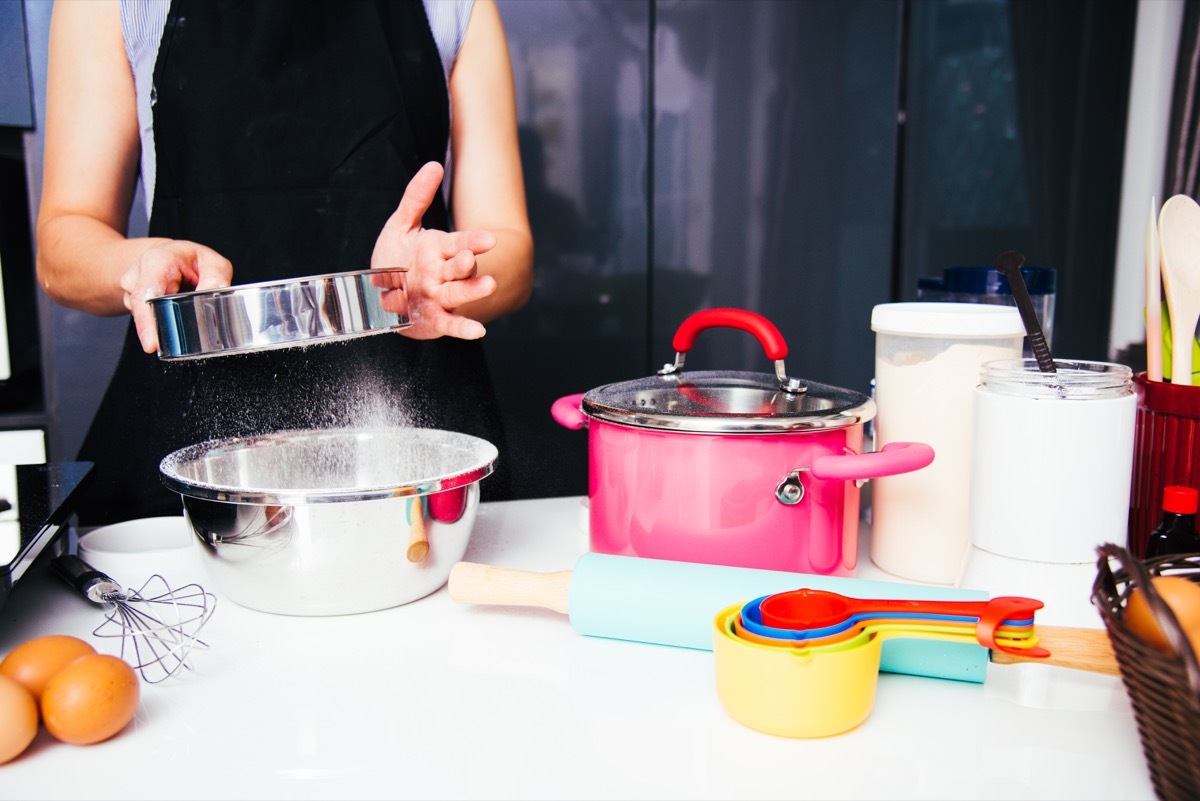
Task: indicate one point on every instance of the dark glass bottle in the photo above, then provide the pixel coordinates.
(1177, 532)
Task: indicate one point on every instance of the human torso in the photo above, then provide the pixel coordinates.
(286, 155)
(142, 23)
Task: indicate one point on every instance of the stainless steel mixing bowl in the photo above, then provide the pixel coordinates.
(319, 522)
(279, 314)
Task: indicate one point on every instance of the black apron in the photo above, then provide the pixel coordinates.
(285, 133)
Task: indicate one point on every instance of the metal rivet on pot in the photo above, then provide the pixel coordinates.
(790, 491)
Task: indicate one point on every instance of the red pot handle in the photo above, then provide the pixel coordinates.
(893, 458)
(567, 413)
(762, 328)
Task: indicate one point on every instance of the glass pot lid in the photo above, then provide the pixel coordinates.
(727, 402)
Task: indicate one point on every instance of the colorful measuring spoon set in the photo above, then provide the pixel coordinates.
(820, 620)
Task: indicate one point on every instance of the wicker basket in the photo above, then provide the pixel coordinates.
(1163, 689)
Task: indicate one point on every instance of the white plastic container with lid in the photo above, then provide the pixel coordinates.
(927, 362)
(1053, 459)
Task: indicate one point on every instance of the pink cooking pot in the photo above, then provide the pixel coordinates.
(730, 468)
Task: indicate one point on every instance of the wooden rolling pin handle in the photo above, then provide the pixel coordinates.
(1081, 649)
(472, 583)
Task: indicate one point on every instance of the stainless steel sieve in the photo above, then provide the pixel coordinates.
(280, 314)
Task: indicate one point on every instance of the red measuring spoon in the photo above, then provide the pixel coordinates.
(810, 609)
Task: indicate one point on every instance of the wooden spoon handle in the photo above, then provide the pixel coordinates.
(1081, 649)
(1179, 243)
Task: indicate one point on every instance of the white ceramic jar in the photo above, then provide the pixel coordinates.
(1053, 461)
(927, 362)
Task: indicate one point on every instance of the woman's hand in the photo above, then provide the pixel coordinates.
(442, 272)
(167, 267)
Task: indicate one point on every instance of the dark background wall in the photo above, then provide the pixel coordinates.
(687, 155)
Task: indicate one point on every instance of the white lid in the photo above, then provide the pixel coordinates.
(947, 319)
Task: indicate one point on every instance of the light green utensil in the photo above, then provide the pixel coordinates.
(1167, 349)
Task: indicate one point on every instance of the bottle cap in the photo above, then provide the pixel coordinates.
(1180, 500)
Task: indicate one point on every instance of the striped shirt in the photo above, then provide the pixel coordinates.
(142, 23)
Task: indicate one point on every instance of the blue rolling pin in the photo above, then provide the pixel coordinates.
(673, 603)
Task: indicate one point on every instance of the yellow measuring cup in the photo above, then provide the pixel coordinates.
(798, 692)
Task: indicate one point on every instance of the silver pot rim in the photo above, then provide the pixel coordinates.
(727, 402)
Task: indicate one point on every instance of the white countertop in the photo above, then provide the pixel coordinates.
(436, 700)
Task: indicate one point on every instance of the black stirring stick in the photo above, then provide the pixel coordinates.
(1009, 263)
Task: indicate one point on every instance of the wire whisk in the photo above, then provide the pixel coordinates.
(157, 624)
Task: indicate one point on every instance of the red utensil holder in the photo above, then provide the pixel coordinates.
(1166, 452)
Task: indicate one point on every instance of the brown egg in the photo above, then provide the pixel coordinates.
(18, 718)
(33, 662)
(90, 700)
(1182, 596)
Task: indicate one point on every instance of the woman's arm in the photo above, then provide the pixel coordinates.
(90, 158)
(488, 188)
(84, 260)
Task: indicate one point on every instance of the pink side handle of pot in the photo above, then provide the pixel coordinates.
(763, 329)
(892, 459)
(568, 413)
